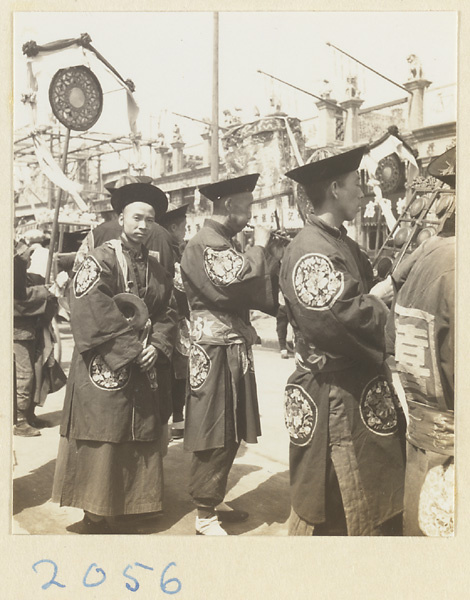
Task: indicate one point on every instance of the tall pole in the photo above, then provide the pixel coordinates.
(215, 103)
(367, 67)
(55, 222)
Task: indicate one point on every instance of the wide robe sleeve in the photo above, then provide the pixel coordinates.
(97, 323)
(164, 326)
(225, 279)
(327, 300)
(35, 302)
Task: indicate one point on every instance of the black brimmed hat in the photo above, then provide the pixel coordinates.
(328, 168)
(173, 214)
(443, 167)
(227, 187)
(140, 192)
(125, 179)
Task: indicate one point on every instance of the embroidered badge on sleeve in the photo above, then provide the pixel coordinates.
(87, 276)
(377, 408)
(300, 414)
(222, 266)
(316, 283)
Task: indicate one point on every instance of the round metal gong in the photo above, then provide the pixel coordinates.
(76, 97)
(389, 173)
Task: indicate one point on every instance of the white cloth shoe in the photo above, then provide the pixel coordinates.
(210, 526)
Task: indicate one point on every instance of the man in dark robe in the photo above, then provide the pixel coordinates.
(110, 453)
(346, 460)
(222, 285)
(420, 337)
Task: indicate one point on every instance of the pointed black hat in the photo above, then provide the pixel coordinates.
(443, 167)
(333, 166)
(227, 187)
(173, 213)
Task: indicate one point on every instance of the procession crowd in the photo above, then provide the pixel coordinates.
(162, 334)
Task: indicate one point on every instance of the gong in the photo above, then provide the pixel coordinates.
(390, 174)
(76, 97)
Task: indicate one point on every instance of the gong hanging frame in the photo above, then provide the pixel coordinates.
(76, 97)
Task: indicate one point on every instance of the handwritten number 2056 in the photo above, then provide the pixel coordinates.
(95, 576)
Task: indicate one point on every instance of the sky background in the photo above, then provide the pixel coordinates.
(169, 58)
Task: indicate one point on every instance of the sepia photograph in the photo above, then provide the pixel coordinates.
(234, 282)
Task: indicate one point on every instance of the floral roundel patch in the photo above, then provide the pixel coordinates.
(222, 266)
(199, 366)
(316, 283)
(300, 414)
(86, 277)
(106, 379)
(377, 408)
(436, 502)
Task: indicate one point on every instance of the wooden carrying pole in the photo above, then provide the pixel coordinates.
(55, 222)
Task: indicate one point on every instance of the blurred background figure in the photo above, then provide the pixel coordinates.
(174, 223)
(420, 337)
(37, 373)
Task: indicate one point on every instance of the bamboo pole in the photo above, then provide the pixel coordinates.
(55, 221)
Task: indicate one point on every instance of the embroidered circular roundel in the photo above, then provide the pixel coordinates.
(199, 366)
(377, 408)
(86, 277)
(300, 414)
(106, 379)
(316, 284)
(222, 266)
(436, 502)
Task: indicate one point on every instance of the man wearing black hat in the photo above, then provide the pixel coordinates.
(174, 223)
(222, 285)
(110, 453)
(156, 242)
(346, 462)
(420, 335)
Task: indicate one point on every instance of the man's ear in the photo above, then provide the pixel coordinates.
(121, 219)
(333, 188)
(228, 203)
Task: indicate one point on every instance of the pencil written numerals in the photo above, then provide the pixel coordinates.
(95, 576)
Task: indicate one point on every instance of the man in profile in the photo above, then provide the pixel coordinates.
(346, 462)
(222, 285)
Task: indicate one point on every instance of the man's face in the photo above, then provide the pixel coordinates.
(240, 210)
(349, 195)
(136, 220)
(178, 231)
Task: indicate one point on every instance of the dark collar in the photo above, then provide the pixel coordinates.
(338, 233)
(223, 230)
(141, 253)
